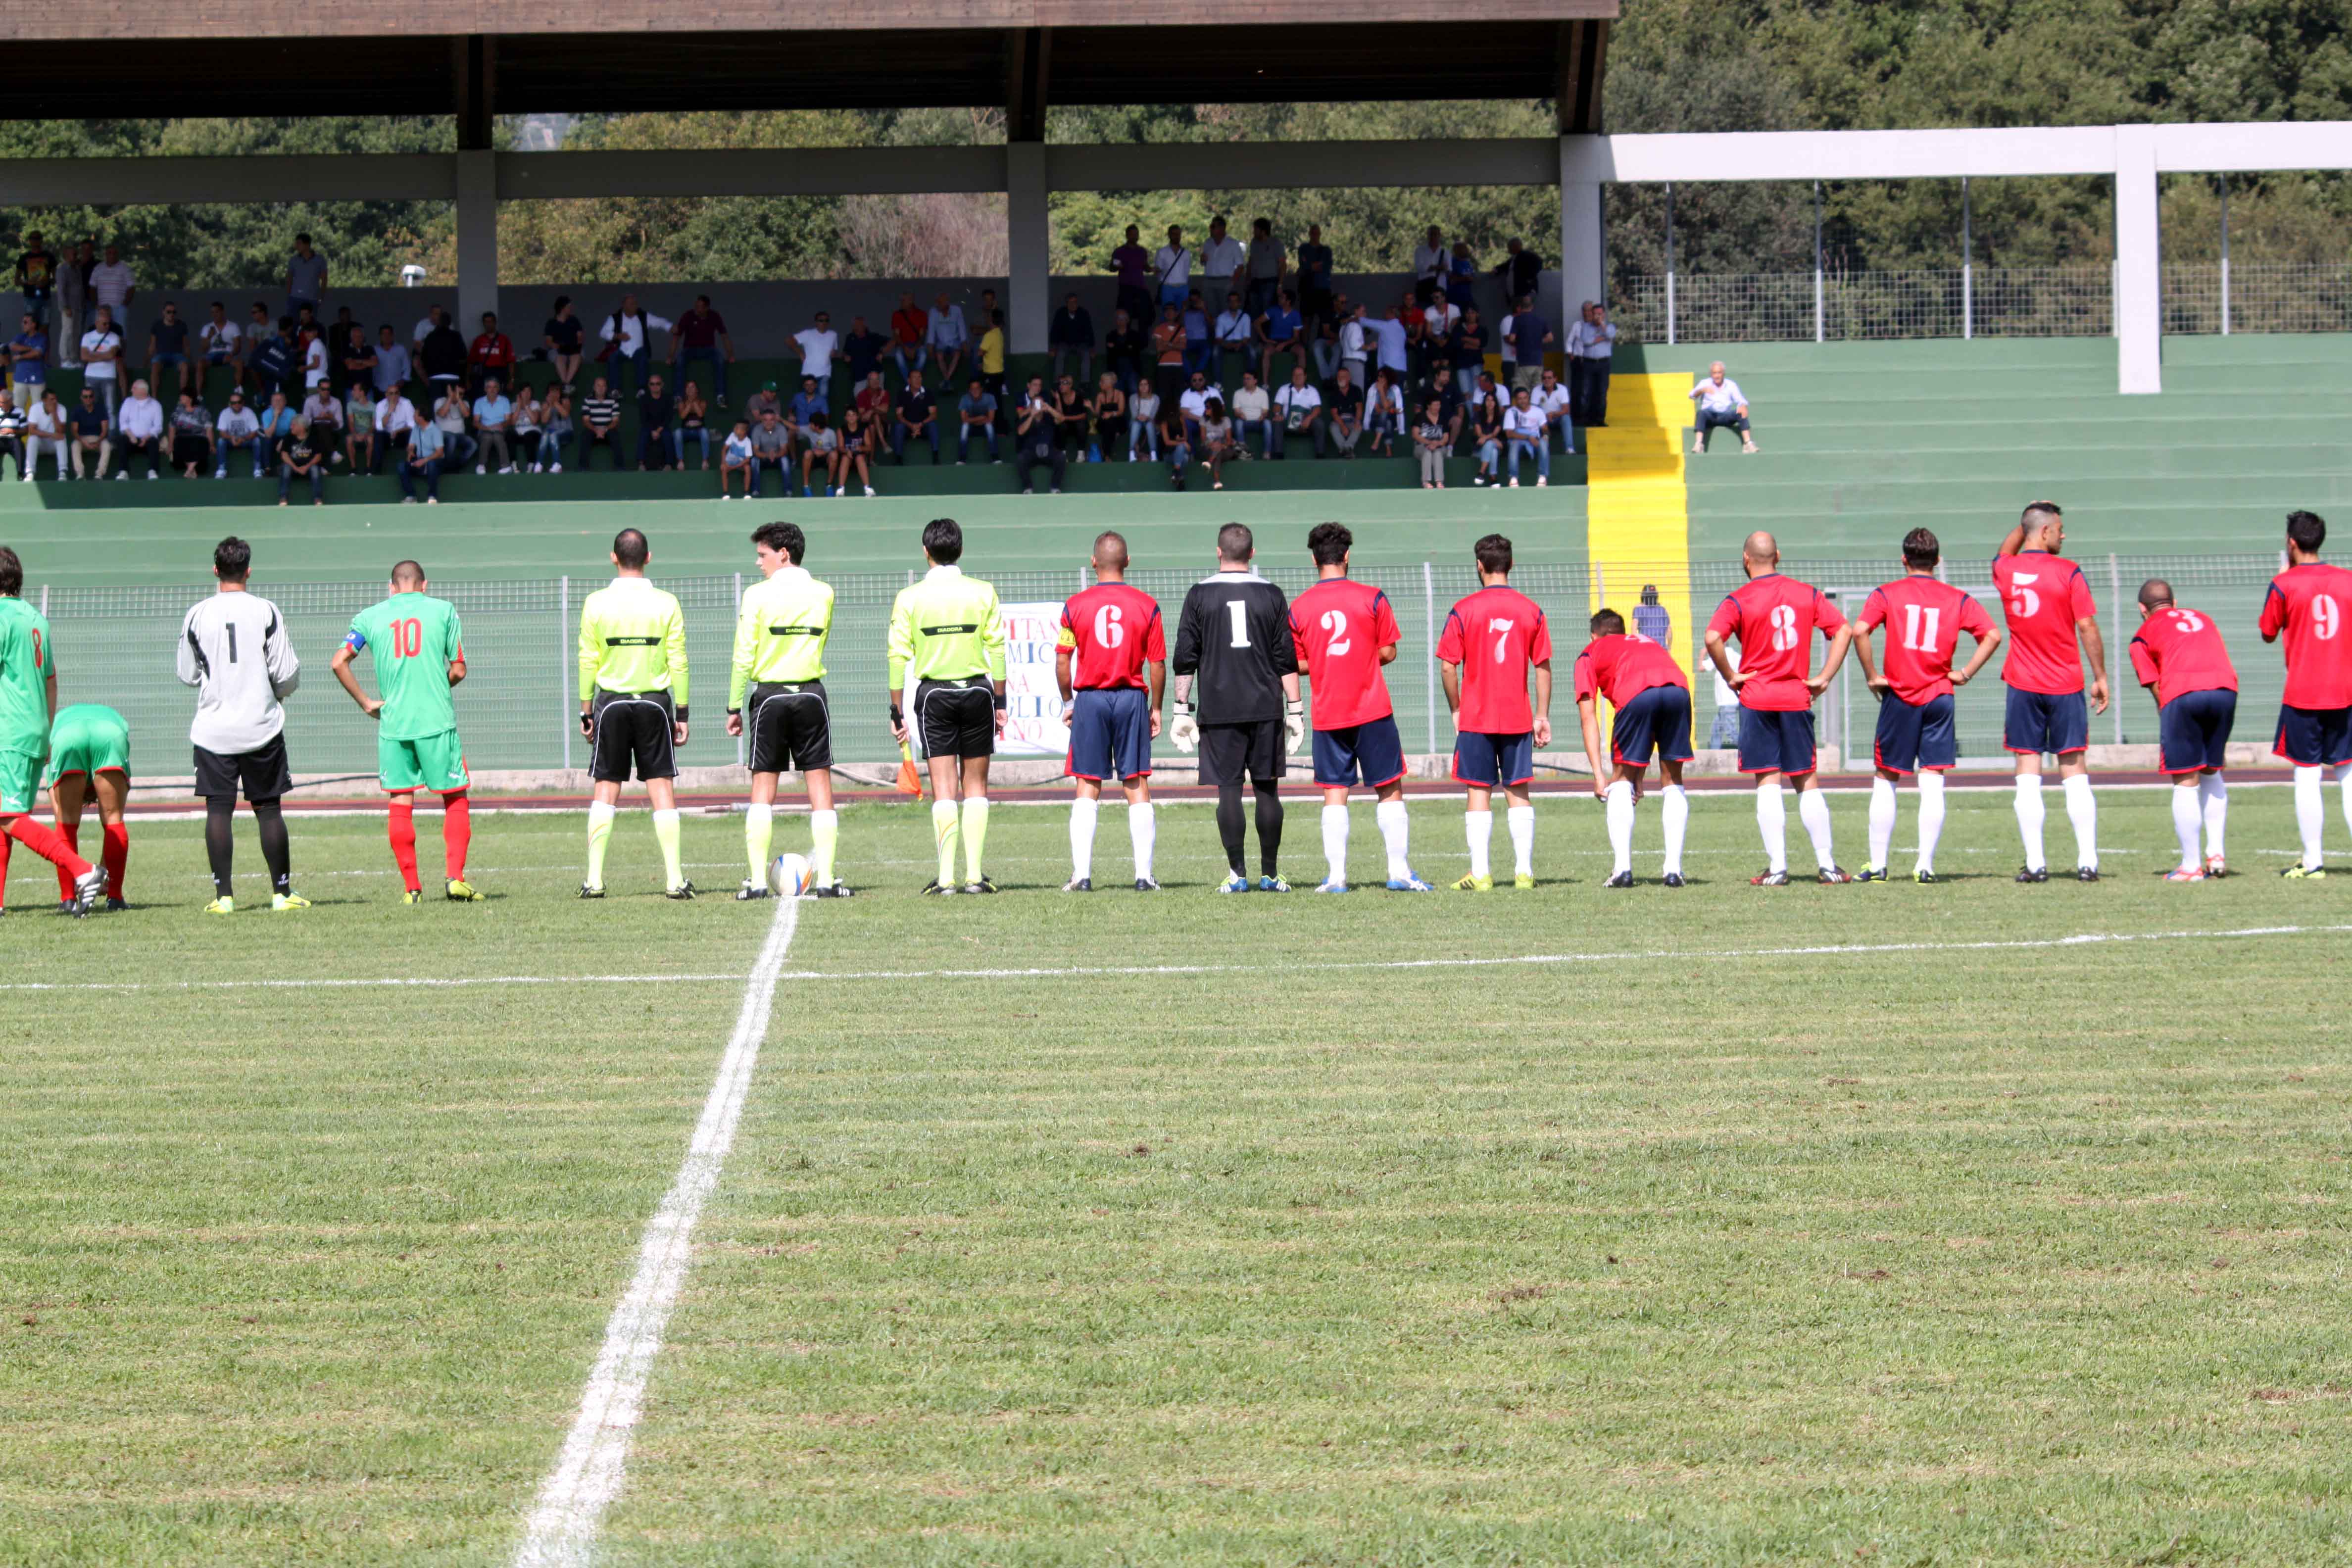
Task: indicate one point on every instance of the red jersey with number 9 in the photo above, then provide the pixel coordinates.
(1774, 618)
(1112, 631)
(1495, 635)
(2310, 604)
(1339, 627)
(1924, 619)
(2043, 595)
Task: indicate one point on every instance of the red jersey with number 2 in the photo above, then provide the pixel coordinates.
(2043, 595)
(1775, 617)
(2311, 604)
(1339, 627)
(2180, 650)
(1495, 635)
(1924, 620)
(1112, 631)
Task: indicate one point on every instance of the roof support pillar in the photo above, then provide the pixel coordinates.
(478, 238)
(1028, 248)
(1583, 247)
(2139, 303)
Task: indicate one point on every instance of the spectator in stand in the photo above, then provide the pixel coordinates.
(1468, 350)
(1034, 441)
(1278, 332)
(73, 308)
(1193, 406)
(325, 416)
(395, 425)
(1356, 344)
(805, 405)
(992, 351)
(12, 434)
(273, 361)
(1109, 408)
(771, 451)
(1487, 409)
(1347, 413)
(820, 445)
(555, 426)
(1430, 442)
(915, 415)
(457, 446)
(361, 447)
(1650, 617)
(29, 358)
(1523, 433)
(820, 346)
(277, 420)
(1176, 441)
(530, 428)
(442, 356)
(975, 415)
(235, 430)
(1551, 400)
(1430, 259)
(600, 424)
(1143, 423)
(1461, 275)
(655, 418)
(391, 371)
(139, 424)
(312, 338)
(1200, 336)
(494, 425)
(873, 402)
(1071, 334)
(191, 436)
(1384, 414)
(1720, 402)
(306, 277)
(1519, 269)
(1171, 269)
(1217, 441)
(701, 337)
(1528, 335)
(1070, 408)
(1225, 262)
(1267, 266)
(93, 433)
(1252, 407)
(1298, 415)
(1391, 356)
(563, 336)
(765, 401)
(857, 452)
(1412, 317)
(112, 285)
(304, 457)
(947, 336)
(36, 281)
(1132, 265)
(862, 351)
(910, 334)
(734, 458)
(630, 331)
(167, 344)
(1168, 354)
(1439, 319)
(1451, 404)
(48, 422)
(1123, 347)
(690, 422)
(1235, 333)
(491, 355)
(222, 342)
(1315, 298)
(102, 357)
(355, 362)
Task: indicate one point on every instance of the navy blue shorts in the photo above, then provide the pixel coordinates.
(1369, 753)
(1657, 721)
(1917, 740)
(2314, 737)
(1110, 735)
(1776, 743)
(1491, 761)
(2038, 722)
(2193, 727)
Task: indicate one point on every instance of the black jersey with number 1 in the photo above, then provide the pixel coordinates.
(1233, 638)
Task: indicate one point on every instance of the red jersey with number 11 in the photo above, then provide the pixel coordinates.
(1774, 618)
(2311, 604)
(1339, 627)
(1112, 631)
(1495, 635)
(1924, 620)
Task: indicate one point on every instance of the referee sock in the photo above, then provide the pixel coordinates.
(1772, 824)
(1813, 811)
(1931, 819)
(1479, 825)
(1674, 815)
(2186, 821)
(2213, 795)
(665, 835)
(945, 835)
(1394, 826)
(824, 837)
(1522, 821)
(1335, 844)
(600, 834)
(2029, 820)
(759, 837)
(1881, 821)
(2082, 811)
(1617, 807)
(2310, 815)
(403, 833)
(1142, 836)
(975, 835)
(1083, 813)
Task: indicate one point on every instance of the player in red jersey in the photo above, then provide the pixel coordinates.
(2049, 610)
(1651, 698)
(1345, 631)
(1491, 640)
(1924, 619)
(2310, 601)
(1775, 617)
(2180, 656)
(1111, 636)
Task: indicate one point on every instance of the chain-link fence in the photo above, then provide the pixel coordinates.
(518, 705)
(2258, 297)
(1840, 307)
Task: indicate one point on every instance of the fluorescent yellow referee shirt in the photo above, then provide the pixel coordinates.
(946, 627)
(632, 639)
(780, 633)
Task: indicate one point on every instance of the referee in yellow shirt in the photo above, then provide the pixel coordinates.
(633, 704)
(948, 633)
(776, 695)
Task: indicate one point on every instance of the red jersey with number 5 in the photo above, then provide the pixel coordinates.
(1774, 618)
(1924, 619)
(1112, 631)
(2310, 605)
(2180, 650)
(1339, 627)
(2043, 595)
(1495, 635)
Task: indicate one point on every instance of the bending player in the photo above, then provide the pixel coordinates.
(235, 651)
(780, 632)
(2179, 655)
(1651, 696)
(2049, 607)
(632, 703)
(2308, 603)
(29, 694)
(1111, 634)
(420, 657)
(1775, 617)
(89, 758)
(1924, 618)
(1345, 631)
(1233, 636)
(1491, 640)
(948, 633)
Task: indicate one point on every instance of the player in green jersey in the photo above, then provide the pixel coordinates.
(947, 631)
(420, 657)
(29, 694)
(89, 758)
(776, 695)
(632, 705)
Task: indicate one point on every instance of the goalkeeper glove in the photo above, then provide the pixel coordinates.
(1293, 723)
(1185, 732)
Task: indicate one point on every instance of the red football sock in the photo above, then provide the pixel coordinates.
(457, 834)
(404, 838)
(6, 844)
(72, 838)
(47, 845)
(116, 849)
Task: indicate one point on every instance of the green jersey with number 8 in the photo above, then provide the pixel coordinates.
(414, 638)
(25, 669)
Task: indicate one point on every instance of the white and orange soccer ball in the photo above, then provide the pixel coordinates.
(790, 875)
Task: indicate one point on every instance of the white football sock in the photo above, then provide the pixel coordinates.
(1521, 822)
(2082, 811)
(2344, 777)
(1931, 819)
(2186, 820)
(2310, 813)
(1881, 821)
(1335, 844)
(2213, 793)
(1674, 815)
(1394, 826)
(1772, 822)
(1813, 811)
(1618, 807)
(1143, 836)
(1083, 812)
(1479, 827)
(2029, 819)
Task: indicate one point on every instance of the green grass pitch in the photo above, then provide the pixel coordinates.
(1683, 1247)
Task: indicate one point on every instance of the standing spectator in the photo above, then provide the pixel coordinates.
(112, 285)
(312, 338)
(272, 361)
(1236, 332)
(1487, 408)
(562, 335)
(975, 415)
(1651, 619)
(692, 417)
(354, 360)
(1267, 264)
(1720, 402)
(306, 277)
(862, 351)
(771, 450)
(1252, 407)
(1430, 442)
(102, 357)
(910, 334)
(1430, 259)
(1523, 433)
(916, 416)
(29, 358)
(1168, 354)
(991, 354)
(857, 440)
(1143, 423)
(167, 344)
(630, 331)
(1132, 267)
(442, 356)
(1171, 268)
(1200, 341)
(1438, 320)
(36, 278)
(820, 345)
(1355, 345)
(1278, 332)
(395, 424)
(422, 461)
(1035, 442)
(222, 342)
(655, 419)
(701, 337)
(873, 402)
(303, 457)
(1596, 339)
(1110, 418)
(237, 430)
(1346, 405)
(1461, 275)
(1391, 333)
(1519, 269)
(1071, 333)
(530, 428)
(12, 434)
(449, 412)
(735, 457)
(1550, 400)
(494, 424)
(1315, 298)
(73, 308)
(360, 446)
(491, 355)
(1217, 443)
(276, 418)
(1299, 413)
(93, 431)
(191, 436)
(600, 424)
(1123, 349)
(1384, 415)
(1225, 262)
(820, 443)
(1468, 350)
(946, 335)
(50, 424)
(1528, 335)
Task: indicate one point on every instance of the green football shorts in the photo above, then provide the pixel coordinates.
(436, 762)
(87, 742)
(17, 771)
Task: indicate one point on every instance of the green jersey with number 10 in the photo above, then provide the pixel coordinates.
(414, 638)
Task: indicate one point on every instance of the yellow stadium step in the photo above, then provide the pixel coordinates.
(1637, 512)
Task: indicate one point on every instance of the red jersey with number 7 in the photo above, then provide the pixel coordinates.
(1775, 617)
(1112, 631)
(1924, 619)
(1495, 635)
(2043, 595)
(2310, 604)
(1339, 627)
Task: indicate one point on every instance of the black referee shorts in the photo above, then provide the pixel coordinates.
(957, 718)
(263, 772)
(632, 728)
(789, 726)
(1229, 750)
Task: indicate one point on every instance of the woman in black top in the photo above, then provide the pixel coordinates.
(1110, 417)
(563, 333)
(1070, 410)
(856, 449)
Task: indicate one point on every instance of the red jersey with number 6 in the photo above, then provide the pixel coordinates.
(2310, 604)
(2043, 595)
(1339, 627)
(1924, 619)
(1774, 618)
(1112, 631)
(2180, 650)
(1495, 635)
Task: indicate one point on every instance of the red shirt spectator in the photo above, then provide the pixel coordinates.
(908, 322)
(492, 350)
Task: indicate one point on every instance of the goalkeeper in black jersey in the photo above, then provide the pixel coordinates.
(1237, 698)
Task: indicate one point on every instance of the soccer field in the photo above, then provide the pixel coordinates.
(1972, 1223)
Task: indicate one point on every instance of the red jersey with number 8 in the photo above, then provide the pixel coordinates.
(1339, 627)
(2043, 595)
(1775, 617)
(1495, 635)
(2310, 605)
(1112, 631)
(1924, 619)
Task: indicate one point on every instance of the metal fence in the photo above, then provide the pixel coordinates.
(518, 705)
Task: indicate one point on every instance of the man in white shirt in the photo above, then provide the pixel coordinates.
(1352, 353)
(630, 330)
(101, 354)
(946, 335)
(1249, 407)
(1193, 405)
(1720, 402)
(1523, 435)
(391, 363)
(1235, 333)
(141, 425)
(820, 346)
(1429, 266)
(1299, 410)
(1595, 340)
(222, 340)
(240, 430)
(1550, 399)
(1225, 262)
(235, 651)
(45, 423)
(1173, 265)
(395, 416)
(111, 284)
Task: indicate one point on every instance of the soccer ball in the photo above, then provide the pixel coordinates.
(789, 876)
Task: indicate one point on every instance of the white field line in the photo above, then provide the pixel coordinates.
(562, 1526)
(389, 982)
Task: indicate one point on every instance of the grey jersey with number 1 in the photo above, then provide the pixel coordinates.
(235, 651)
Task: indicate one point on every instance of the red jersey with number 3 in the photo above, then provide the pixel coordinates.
(2043, 595)
(1112, 631)
(1495, 635)
(2180, 650)
(2311, 605)
(1924, 620)
(1775, 617)
(1339, 627)
(1621, 667)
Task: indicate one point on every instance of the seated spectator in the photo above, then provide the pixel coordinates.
(303, 456)
(820, 346)
(1070, 410)
(360, 445)
(555, 426)
(494, 428)
(1299, 413)
(910, 334)
(1168, 355)
(259, 327)
(1071, 335)
(457, 446)
(1443, 387)
(1217, 441)
(1322, 338)
(1123, 350)
(946, 334)
(1252, 407)
(600, 424)
(1193, 406)
(563, 337)
(1236, 336)
(277, 420)
(1347, 411)
(735, 458)
(700, 337)
(12, 434)
(29, 359)
(857, 451)
(222, 341)
(691, 426)
(1720, 402)
(820, 447)
(167, 344)
(1176, 441)
(872, 401)
(1467, 350)
(237, 430)
(391, 371)
(655, 417)
(49, 424)
(1523, 433)
(395, 423)
(1487, 408)
(1143, 423)
(916, 418)
(93, 435)
(191, 436)
(424, 459)
(1109, 409)
(1551, 400)
(1200, 336)
(490, 354)
(807, 403)
(1384, 416)
(324, 414)
(771, 452)
(991, 351)
(765, 401)
(101, 360)
(1278, 330)
(975, 415)
(1430, 442)
(530, 428)
(1034, 441)
(1268, 264)
(862, 351)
